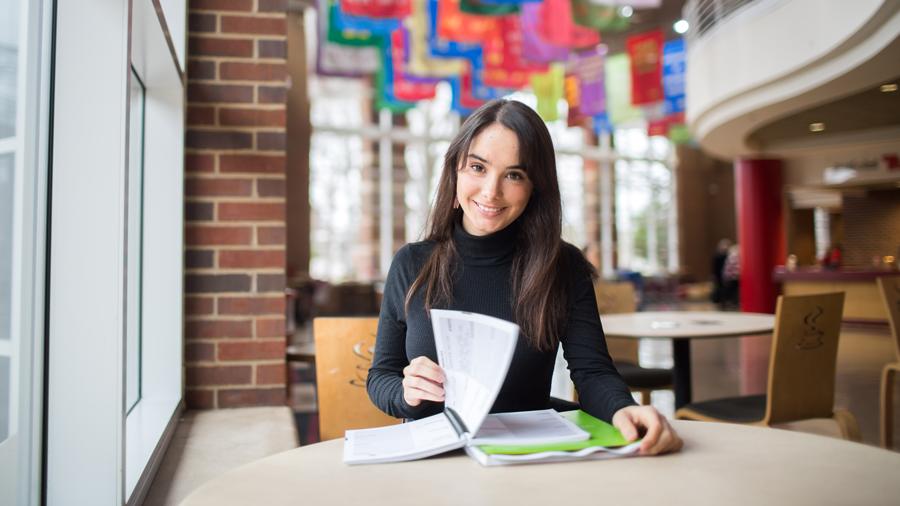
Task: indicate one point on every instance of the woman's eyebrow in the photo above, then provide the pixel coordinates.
(485, 160)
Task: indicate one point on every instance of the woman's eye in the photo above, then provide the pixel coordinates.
(476, 168)
(516, 176)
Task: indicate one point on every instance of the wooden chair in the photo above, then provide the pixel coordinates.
(615, 298)
(343, 356)
(801, 371)
(890, 293)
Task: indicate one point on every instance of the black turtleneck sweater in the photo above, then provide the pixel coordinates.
(482, 284)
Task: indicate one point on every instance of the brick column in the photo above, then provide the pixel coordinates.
(235, 204)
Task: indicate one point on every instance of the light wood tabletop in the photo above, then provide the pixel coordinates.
(681, 327)
(686, 324)
(720, 464)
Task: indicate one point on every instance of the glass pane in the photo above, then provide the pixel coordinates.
(7, 165)
(5, 376)
(135, 243)
(9, 34)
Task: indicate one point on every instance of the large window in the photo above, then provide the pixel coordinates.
(23, 123)
(644, 202)
(9, 45)
(135, 238)
(115, 285)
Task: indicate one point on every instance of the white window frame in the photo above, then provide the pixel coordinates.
(30, 145)
(95, 453)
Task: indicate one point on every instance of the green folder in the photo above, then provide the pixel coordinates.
(602, 434)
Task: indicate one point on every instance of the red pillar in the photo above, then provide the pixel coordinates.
(758, 194)
(760, 231)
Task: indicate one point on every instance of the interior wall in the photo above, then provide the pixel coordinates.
(706, 209)
(807, 168)
(297, 151)
(871, 222)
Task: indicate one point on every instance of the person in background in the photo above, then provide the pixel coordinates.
(493, 246)
(731, 279)
(718, 263)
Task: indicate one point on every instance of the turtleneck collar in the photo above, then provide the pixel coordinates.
(492, 249)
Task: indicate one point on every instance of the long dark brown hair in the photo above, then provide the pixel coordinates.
(539, 294)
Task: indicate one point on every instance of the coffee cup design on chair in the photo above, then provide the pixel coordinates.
(812, 334)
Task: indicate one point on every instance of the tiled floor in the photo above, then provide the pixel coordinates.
(716, 372)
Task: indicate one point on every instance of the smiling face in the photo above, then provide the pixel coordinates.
(491, 186)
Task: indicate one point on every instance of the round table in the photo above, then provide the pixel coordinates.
(681, 327)
(720, 464)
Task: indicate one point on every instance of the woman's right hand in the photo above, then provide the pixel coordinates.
(423, 380)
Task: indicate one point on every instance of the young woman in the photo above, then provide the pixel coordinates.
(494, 247)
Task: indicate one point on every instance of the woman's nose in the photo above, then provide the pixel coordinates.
(491, 187)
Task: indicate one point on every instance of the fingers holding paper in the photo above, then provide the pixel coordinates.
(658, 436)
(423, 380)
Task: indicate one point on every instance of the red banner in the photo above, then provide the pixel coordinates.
(377, 8)
(453, 24)
(556, 26)
(645, 52)
(504, 66)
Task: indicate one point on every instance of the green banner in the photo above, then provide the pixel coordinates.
(483, 9)
(599, 17)
(618, 90)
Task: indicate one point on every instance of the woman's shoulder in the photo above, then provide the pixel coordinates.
(573, 261)
(414, 254)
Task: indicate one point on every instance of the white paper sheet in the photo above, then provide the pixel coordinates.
(527, 428)
(475, 352)
(406, 441)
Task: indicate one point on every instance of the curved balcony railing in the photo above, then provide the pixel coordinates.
(703, 15)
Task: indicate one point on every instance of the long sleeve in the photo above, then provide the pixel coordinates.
(601, 391)
(384, 382)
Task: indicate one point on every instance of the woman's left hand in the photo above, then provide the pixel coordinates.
(659, 436)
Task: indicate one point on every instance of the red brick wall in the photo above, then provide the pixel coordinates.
(235, 204)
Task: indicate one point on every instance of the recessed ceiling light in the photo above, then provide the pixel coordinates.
(681, 26)
(626, 11)
(817, 127)
(888, 88)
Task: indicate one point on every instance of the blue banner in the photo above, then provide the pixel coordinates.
(673, 71)
(602, 124)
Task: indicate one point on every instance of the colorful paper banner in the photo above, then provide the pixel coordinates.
(599, 17)
(618, 90)
(673, 76)
(376, 8)
(440, 47)
(645, 51)
(534, 48)
(455, 25)
(338, 60)
(556, 26)
(548, 88)
(420, 63)
(405, 89)
(590, 69)
(487, 9)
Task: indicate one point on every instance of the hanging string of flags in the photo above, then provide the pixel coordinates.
(485, 49)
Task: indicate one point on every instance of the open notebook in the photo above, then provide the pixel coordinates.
(475, 352)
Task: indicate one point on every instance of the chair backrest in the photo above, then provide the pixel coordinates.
(615, 298)
(890, 294)
(343, 356)
(804, 353)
